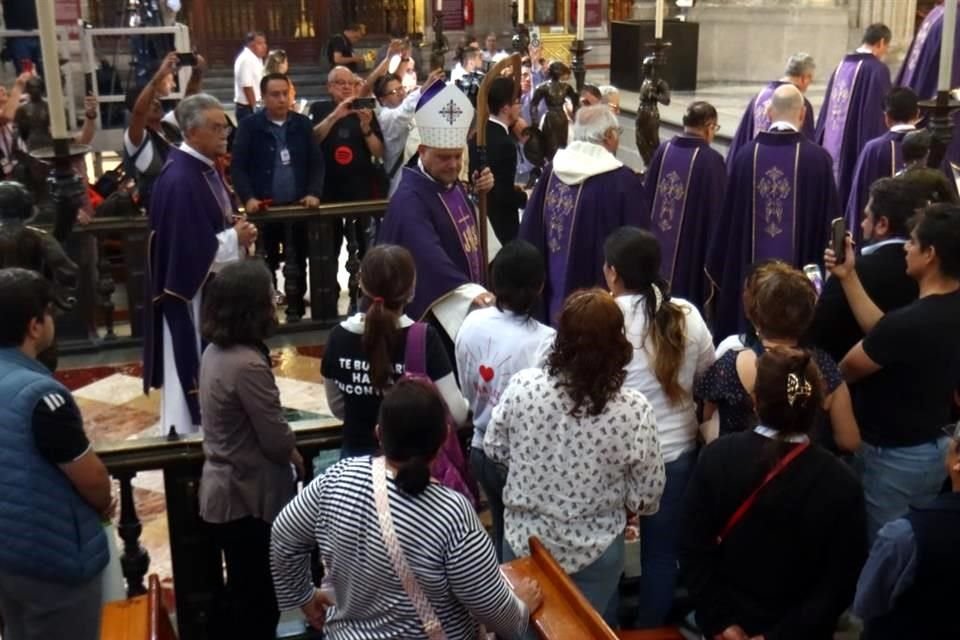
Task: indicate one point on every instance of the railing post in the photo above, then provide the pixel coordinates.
(294, 279)
(353, 260)
(106, 287)
(135, 561)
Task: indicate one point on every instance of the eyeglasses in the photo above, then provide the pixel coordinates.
(341, 83)
(715, 127)
(399, 91)
(619, 130)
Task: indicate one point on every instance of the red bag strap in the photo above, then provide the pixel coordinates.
(743, 508)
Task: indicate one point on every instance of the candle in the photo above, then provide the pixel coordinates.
(581, 18)
(439, 5)
(946, 45)
(520, 8)
(51, 66)
(658, 26)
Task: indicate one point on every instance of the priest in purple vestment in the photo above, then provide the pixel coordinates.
(685, 183)
(799, 73)
(432, 215)
(852, 111)
(779, 202)
(921, 69)
(583, 195)
(882, 156)
(192, 234)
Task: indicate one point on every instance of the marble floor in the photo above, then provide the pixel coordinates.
(114, 407)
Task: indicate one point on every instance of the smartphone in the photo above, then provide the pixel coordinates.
(186, 59)
(27, 65)
(363, 103)
(838, 242)
(813, 274)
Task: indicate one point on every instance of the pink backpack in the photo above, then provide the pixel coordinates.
(450, 467)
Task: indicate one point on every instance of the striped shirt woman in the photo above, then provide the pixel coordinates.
(441, 537)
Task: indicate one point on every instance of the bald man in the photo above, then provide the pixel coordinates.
(779, 201)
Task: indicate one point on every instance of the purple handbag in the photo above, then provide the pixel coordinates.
(450, 467)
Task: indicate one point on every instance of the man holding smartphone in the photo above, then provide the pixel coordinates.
(907, 369)
(353, 151)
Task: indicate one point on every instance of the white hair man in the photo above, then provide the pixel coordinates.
(582, 196)
(798, 72)
(193, 233)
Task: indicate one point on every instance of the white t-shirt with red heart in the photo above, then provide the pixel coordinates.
(491, 346)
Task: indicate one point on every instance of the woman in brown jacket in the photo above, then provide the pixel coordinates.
(251, 461)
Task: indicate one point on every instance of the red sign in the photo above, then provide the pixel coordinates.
(67, 12)
(593, 15)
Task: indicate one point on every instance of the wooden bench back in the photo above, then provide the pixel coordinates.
(566, 614)
(141, 618)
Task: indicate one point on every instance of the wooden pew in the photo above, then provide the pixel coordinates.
(566, 614)
(141, 618)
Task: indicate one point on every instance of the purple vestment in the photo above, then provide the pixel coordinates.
(852, 113)
(880, 158)
(188, 208)
(779, 202)
(755, 120)
(438, 226)
(685, 181)
(921, 68)
(588, 212)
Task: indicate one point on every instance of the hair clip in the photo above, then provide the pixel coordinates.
(658, 295)
(377, 300)
(797, 387)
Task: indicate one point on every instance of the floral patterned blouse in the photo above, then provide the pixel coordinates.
(572, 480)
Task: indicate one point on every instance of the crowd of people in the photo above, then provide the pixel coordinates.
(750, 364)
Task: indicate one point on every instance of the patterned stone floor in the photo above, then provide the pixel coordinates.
(114, 407)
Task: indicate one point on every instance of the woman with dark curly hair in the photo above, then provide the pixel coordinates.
(581, 449)
(248, 446)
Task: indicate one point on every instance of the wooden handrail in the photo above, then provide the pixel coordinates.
(566, 614)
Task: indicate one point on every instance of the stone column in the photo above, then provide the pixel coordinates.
(899, 15)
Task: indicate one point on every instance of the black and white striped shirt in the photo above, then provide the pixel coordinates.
(442, 539)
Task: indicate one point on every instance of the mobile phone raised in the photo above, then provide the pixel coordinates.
(838, 239)
(186, 59)
(363, 103)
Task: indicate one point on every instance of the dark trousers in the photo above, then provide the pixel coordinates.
(492, 478)
(247, 608)
(27, 48)
(242, 111)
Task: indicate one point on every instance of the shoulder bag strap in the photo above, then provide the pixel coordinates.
(415, 354)
(752, 498)
(428, 618)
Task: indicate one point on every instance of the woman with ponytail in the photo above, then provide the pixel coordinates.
(365, 354)
(671, 348)
(773, 532)
(375, 518)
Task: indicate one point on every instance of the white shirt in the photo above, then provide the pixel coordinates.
(396, 123)
(783, 124)
(491, 346)
(247, 72)
(676, 422)
(571, 480)
(903, 126)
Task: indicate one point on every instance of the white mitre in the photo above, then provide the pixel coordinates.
(443, 117)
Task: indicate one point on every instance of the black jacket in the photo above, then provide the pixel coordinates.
(884, 277)
(254, 150)
(504, 200)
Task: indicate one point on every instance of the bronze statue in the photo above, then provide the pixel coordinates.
(653, 90)
(27, 247)
(555, 124)
(32, 120)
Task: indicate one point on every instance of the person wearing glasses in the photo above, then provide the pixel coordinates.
(901, 590)
(686, 182)
(778, 204)
(397, 108)
(194, 233)
(582, 197)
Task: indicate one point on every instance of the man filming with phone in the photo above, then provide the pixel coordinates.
(352, 142)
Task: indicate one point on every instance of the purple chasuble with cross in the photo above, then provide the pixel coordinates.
(779, 201)
(686, 181)
(189, 206)
(852, 113)
(437, 224)
(755, 120)
(569, 223)
(881, 158)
